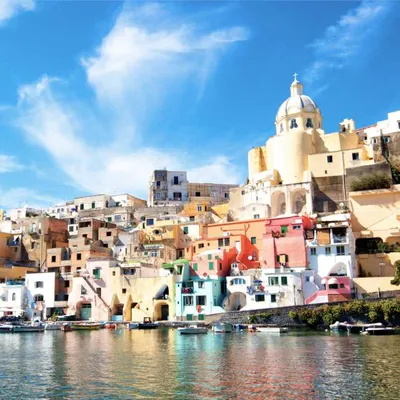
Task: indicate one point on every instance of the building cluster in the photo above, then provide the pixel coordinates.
(316, 221)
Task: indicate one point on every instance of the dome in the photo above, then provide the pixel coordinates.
(296, 103)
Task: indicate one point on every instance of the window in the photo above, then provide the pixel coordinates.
(386, 139)
(220, 242)
(185, 230)
(333, 286)
(187, 300)
(209, 256)
(340, 250)
(117, 218)
(293, 124)
(150, 222)
(53, 259)
(253, 240)
(66, 284)
(256, 216)
(200, 285)
(108, 234)
(329, 159)
(296, 227)
(13, 297)
(70, 229)
(342, 286)
(327, 251)
(176, 180)
(191, 219)
(355, 156)
(398, 124)
(38, 297)
(226, 195)
(82, 206)
(109, 219)
(158, 184)
(93, 205)
(273, 281)
(199, 207)
(158, 196)
(243, 192)
(201, 300)
(238, 281)
(211, 265)
(284, 229)
(154, 254)
(259, 297)
(38, 284)
(309, 123)
(78, 256)
(197, 194)
(374, 141)
(201, 245)
(113, 273)
(273, 298)
(313, 251)
(123, 291)
(227, 241)
(195, 267)
(220, 266)
(84, 235)
(284, 280)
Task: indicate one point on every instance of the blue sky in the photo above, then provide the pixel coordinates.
(94, 95)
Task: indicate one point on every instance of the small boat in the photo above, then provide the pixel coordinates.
(193, 330)
(6, 328)
(28, 328)
(272, 329)
(252, 328)
(110, 325)
(66, 327)
(378, 331)
(360, 327)
(86, 326)
(147, 324)
(52, 327)
(222, 327)
(339, 326)
(238, 327)
(132, 325)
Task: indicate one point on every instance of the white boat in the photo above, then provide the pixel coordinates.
(222, 327)
(28, 328)
(379, 331)
(52, 327)
(132, 325)
(193, 330)
(4, 328)
(274, 330)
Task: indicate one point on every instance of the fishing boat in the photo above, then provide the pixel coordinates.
(52, 327)
(6, 328)
(193, 330)
(272, 329)
(28, 328)
(132, 325)
(147, 324)
(379, 331)
(222, 327)
(86, 326)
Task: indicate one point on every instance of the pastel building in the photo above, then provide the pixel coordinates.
(12, 298)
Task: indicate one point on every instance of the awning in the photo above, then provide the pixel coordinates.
(161, 292)
(167, 266)
(181, 261)
(333, 281)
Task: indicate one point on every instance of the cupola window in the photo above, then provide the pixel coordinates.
(309, 123)
(293, 124)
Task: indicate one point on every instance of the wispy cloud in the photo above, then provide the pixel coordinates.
(10, 8)
(344, 40)
(18, 197)
(9, 164)
(135, 70)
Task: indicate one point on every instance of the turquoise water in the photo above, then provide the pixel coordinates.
(162, 364)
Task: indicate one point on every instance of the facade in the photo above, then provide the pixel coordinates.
(12, 298)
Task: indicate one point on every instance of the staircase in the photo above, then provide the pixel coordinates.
(96, 296)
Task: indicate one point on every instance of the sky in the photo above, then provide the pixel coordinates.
(95, 95)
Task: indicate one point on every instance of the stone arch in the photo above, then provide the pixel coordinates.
(339, 269)
(161, 310)
(298, 201)
(278, 203)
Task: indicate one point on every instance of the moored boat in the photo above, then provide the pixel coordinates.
(6, 328)
(193, 330)
(132, 325)
(86, 326)
(52, 327)
(66, 327)
(339, 326)
(28, 328)
(379, 331)
(360, 327)
(272, 329)
(222, 327)
(147, 324)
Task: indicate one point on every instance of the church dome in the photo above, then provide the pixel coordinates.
(297, 102)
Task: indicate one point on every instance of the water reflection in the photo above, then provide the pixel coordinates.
(162, 364)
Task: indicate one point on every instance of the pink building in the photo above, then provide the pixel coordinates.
(336, 288)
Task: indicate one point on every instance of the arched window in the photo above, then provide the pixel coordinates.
(309, 123)
(38, 297)
(293, 124)
(238, 281)
(13, 297)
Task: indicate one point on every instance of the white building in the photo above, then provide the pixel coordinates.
(40, 292)
(12, 298)
(168, 188)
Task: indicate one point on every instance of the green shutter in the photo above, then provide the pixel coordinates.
(195, 266)
(211, 265)
(284, 280)
(210, 256)
(253, 240)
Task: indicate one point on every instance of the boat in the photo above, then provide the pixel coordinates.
(252, 328)
(52, 327)
(147, 324)
(132, 325)
(379, 331)
(238, 327)
(339, 326)
(360, 327)
(28, 328)
(222, 327)
(110, 325)
(193, 330)
(272, 329)
(6, 328)
(66, 327)
(86, 326)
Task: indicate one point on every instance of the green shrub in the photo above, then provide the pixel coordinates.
(357, 307)
(310, 317)
(396, 280)
(253, 319)
(293, 315)
(371, 182)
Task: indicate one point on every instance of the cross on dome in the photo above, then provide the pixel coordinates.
(295, 76)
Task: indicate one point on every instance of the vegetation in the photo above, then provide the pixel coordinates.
(293, 315)
(260, 318)
(371, 182)
(396, 280)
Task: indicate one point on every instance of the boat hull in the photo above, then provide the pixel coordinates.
(83, 327)
(147, 326)
(380, 331)
(6, 328)
(223, 328)
(192, 331)
(133, 325)
(23, 329)
(272, 330)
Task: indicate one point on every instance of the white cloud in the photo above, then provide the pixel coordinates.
(10, 8)
(18, 197)
(344, 40)
(9, 164)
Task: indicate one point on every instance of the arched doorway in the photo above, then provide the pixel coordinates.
(278, 203)
(236, 301)
(298, 201)
(161, 311)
